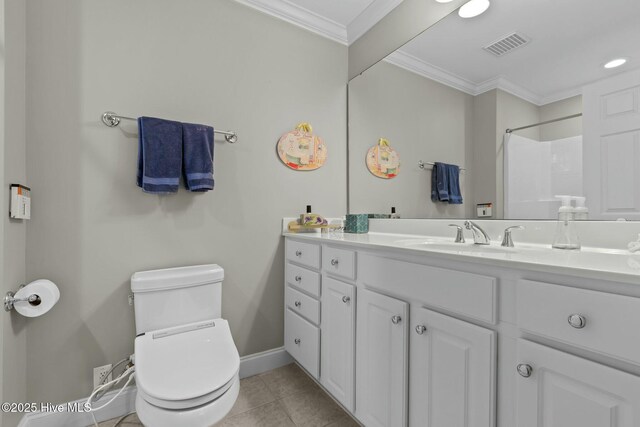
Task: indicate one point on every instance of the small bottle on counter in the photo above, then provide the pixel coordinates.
(394, 215)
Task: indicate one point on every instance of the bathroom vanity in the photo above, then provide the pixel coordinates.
(421, 331)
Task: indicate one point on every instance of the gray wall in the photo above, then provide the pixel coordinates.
(203, 61)
(14, 339)
(423, 120)
(565, 128)
(484, 160)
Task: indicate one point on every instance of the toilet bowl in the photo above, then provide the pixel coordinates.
(187, 369)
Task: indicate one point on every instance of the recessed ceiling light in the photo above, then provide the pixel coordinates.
(473, 8)
(615, 63)
(444, 1)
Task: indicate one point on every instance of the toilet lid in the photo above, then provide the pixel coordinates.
(186, 362)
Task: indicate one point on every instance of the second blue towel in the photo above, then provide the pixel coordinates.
(198, 157)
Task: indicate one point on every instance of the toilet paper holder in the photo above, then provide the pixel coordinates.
(10, 299)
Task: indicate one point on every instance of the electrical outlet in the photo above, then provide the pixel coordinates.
(99, 374)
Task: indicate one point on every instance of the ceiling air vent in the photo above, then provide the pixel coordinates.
(507, 44)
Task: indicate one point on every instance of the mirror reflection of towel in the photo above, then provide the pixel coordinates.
(445, 183)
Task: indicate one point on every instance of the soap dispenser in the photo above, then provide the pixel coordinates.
(582, 212)
(566, 234)
(394, 214)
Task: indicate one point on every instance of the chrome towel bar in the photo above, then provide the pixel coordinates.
(112, 119)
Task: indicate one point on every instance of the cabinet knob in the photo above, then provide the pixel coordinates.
(297, 303)
(298, 253)
(334, 261)
(396, 319)
(297, 341)
(298, 278)
(346, 299)
(578, 321)
(421, 329)
(524, 370)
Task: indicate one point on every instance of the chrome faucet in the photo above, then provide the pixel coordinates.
(480, 237)
(459, 234)
(507, 241)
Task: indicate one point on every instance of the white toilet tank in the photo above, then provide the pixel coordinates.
(176, 296)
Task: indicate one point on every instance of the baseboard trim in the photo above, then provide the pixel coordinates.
(259, 363)
(124, 404)
(250, 365)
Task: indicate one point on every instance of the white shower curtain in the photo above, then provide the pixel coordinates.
(536, 171)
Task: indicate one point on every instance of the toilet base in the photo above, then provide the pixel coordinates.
(202, 416)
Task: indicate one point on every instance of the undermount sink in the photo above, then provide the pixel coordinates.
(457, 247)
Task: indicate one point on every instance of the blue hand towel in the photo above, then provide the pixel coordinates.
(159, 155)
(198, 157)
(439, 183)
(453, 178)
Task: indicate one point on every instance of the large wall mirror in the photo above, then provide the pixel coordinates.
(539, 68)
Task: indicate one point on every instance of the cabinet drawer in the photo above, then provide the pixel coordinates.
(468, 294)
(302, 341)
(303, 253)
(340, 262)
(610, 321)
(301, 278)
(303, 304)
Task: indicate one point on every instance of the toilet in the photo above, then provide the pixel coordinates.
(186, 361)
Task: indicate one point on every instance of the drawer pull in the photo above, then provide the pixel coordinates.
(346, 299)
(421, 329)
(296, 341)
(524, 370)
(396, 319)
(577, 321)
(297, 303)
(334, 261)
(298, 253)
(298, 279)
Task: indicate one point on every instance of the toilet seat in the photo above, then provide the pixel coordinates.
(186, 366)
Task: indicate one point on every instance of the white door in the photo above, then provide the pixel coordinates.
(558, 389)
(611, 147)
(338, 340)
(381, 360)
(453, 370)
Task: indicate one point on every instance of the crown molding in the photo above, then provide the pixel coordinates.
(507, 86)
(311, 21)
(418, 66)
(424, 69)
(300, 17)
(377, 10)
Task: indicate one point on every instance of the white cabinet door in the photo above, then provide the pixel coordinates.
(338, 340)
(565, 390)
(611, 147)
(381, 360)
(452, 372)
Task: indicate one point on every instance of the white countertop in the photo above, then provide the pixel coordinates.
(593, 263)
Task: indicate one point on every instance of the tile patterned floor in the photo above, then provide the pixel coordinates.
(284, 397)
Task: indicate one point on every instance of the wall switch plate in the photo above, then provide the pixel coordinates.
(99, 374)
(484, 210)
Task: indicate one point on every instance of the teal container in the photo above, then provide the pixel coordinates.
(356, 223)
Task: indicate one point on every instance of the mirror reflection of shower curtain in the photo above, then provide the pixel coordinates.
(536, 171)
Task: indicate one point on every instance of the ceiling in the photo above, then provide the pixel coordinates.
(570, 42)
(340, 20)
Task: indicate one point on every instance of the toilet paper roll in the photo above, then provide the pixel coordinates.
(47, 296)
